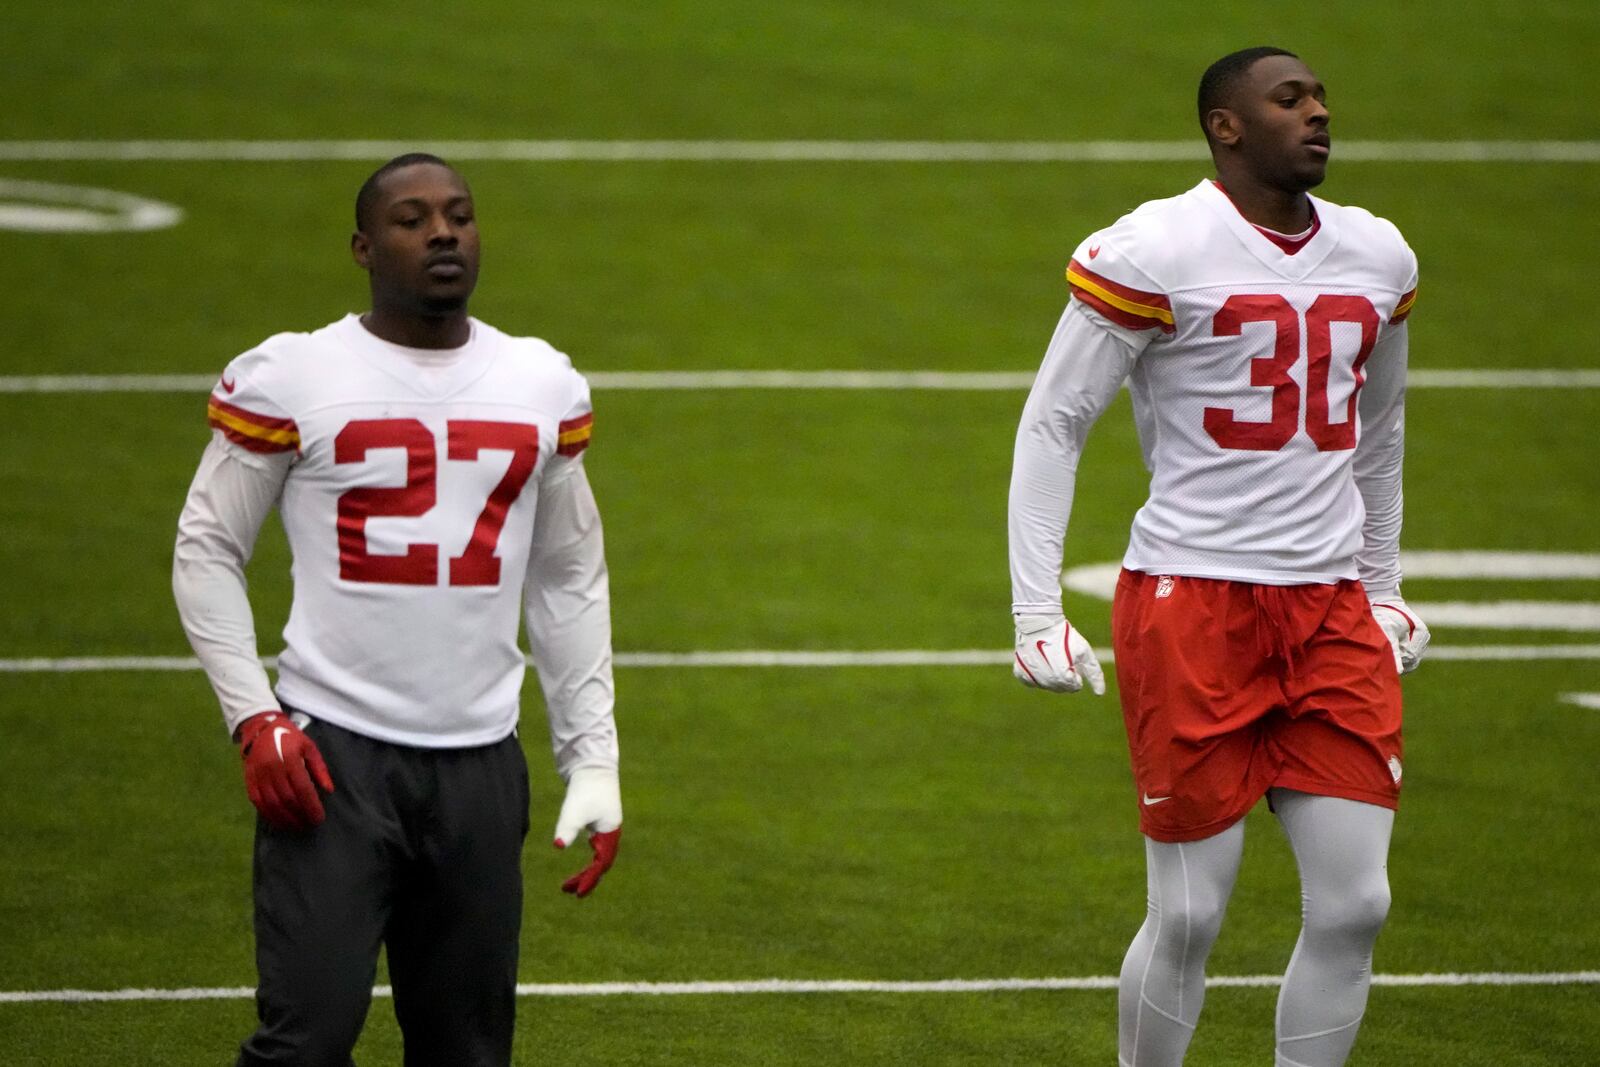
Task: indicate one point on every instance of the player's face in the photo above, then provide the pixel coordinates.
(1282, 118)
(421, 241)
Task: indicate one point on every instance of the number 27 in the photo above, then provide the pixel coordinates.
(419, 565)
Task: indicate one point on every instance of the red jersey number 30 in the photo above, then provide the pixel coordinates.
(419, 565)
(1273, 372)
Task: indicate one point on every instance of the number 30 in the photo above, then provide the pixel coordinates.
(1230, 432)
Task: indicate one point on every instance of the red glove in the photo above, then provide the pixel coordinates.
(279, 764)
(605, 854)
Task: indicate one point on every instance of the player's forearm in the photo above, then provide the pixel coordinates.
(227, 503)
(1379, 462)
(568, 605)
(216, 617)
(570, 635)
(1042, 483)
(1083, 368)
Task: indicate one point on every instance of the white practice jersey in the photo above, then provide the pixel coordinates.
(1244, 362)
(410, 508)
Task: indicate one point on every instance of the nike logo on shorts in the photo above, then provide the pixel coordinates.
(1150, 801)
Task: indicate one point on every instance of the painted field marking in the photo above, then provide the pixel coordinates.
(792, 986)
(763, 658)
(956, 381)
(794, 151)
(1582, 700)
(42, 207)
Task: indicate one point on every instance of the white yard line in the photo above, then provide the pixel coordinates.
(790, 986)
(963, 381)
(552, 151)
(915, 657)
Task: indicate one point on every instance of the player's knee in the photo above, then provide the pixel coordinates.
(307, 1034)
(1358, 914)
(1194, 923)
(308, 1048)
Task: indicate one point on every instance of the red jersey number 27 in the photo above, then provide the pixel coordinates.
(1273, 372)
(419, 565)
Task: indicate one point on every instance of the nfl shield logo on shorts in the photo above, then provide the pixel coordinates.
(1163, 587)
(1394, 768)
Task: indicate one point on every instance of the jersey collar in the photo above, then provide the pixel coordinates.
(436, 375)
(1293, 266)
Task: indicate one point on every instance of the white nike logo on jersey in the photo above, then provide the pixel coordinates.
(1150, 800)
(277, 740)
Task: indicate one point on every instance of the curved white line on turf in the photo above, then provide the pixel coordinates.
(838, 151)
(793, 986)
(1582, 700)
(911, 380)
(43, 207)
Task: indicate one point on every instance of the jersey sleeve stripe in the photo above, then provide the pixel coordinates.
(265, 422)
(1402, 309)
(258, 433)
(1133, 308)
(573, 435)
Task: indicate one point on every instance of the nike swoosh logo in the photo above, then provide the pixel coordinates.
(277, 741)
(1150, 801)
(1094, 251)
(227, 386)
(1040, 646)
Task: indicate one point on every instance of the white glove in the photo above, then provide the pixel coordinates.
(1408, 634)
(593, 802)
(1052, 655)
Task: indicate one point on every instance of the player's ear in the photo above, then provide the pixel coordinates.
(1223, 126)
(360, 250)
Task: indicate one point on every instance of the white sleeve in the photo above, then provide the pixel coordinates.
(1378, 461)
(232, 493)
(568, 604)
(1085, 365)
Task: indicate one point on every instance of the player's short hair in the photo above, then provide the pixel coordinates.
(367, 198)
(1222, 77)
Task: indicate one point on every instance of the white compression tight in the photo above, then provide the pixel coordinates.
(1341, 847)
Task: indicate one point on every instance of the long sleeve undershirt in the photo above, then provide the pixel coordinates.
(1379, 458)
(230, 497)
(567, 602)
(1083, 368)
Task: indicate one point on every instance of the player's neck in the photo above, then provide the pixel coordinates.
(1265, 205)
(418, 331)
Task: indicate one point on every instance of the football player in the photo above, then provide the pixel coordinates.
(429, 472)
(1258, 625)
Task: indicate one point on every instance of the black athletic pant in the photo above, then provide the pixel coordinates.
(421, 851)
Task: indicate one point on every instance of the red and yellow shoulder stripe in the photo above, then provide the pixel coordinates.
(1402, 309)
(1125, 306)
(258, 433)
(573, 435)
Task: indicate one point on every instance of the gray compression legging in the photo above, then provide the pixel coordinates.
(1341, 847)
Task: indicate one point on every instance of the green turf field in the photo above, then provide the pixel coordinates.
(904, 823)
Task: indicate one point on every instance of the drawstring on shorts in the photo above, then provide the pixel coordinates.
(1275, 625)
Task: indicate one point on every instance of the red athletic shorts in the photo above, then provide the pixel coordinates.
(1231, 688)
